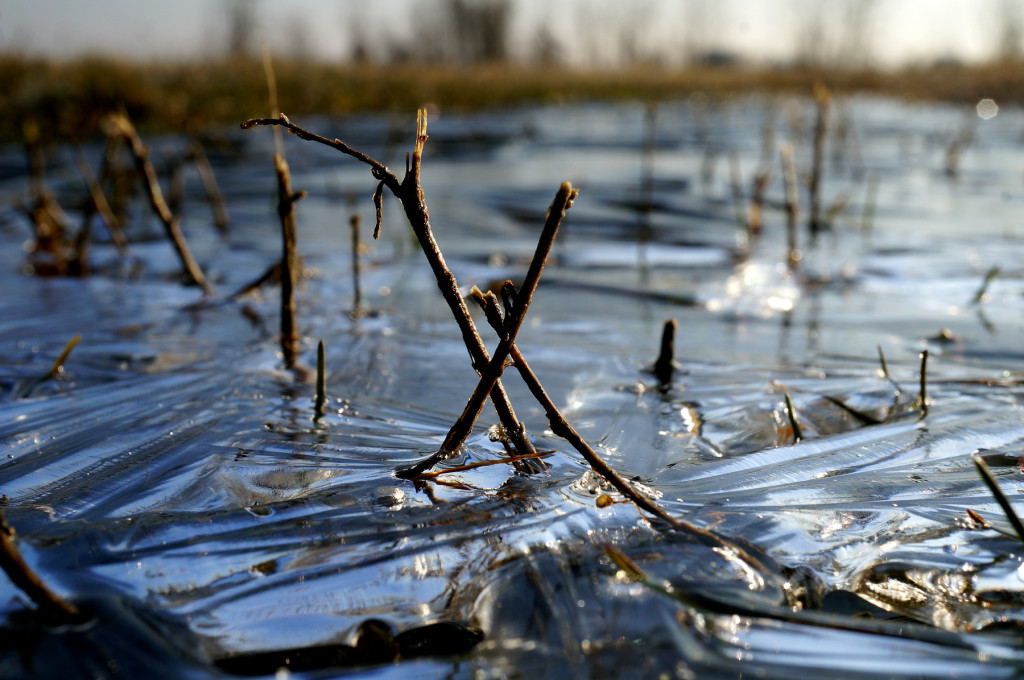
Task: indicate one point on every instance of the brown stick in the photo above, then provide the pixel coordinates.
(124, 127)
(22, 575)
(462, 427)
(221, 220)
(410, 193)
(286, 200)
(561, 428)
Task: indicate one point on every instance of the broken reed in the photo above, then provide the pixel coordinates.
(53, 607)
(122, 126)
(286, 200)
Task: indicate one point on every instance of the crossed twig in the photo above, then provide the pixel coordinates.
(409, 192)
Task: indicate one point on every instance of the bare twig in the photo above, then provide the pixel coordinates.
(124, 127)
(376, 167)
(286, 200)
(321, 382)
(496, 365)
(50, 604)
(378, 204)
(460, 430)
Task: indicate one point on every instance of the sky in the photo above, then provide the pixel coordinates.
(902, 30)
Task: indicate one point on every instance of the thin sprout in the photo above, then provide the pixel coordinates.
(665, 365)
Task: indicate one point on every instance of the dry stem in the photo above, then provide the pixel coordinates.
(460, 430)
(22, 575)
(144, 166)
(822, 96)
(562, 428)
(286, 200)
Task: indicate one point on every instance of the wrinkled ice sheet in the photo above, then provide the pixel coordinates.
(175, 470)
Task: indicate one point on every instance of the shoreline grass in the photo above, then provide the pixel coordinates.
(70, 98)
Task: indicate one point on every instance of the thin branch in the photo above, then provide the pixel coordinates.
(380, 170)
(286, 200)
(462, 427)
(22, 575)
(562, 428)
(144, 166)
(378, 204)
